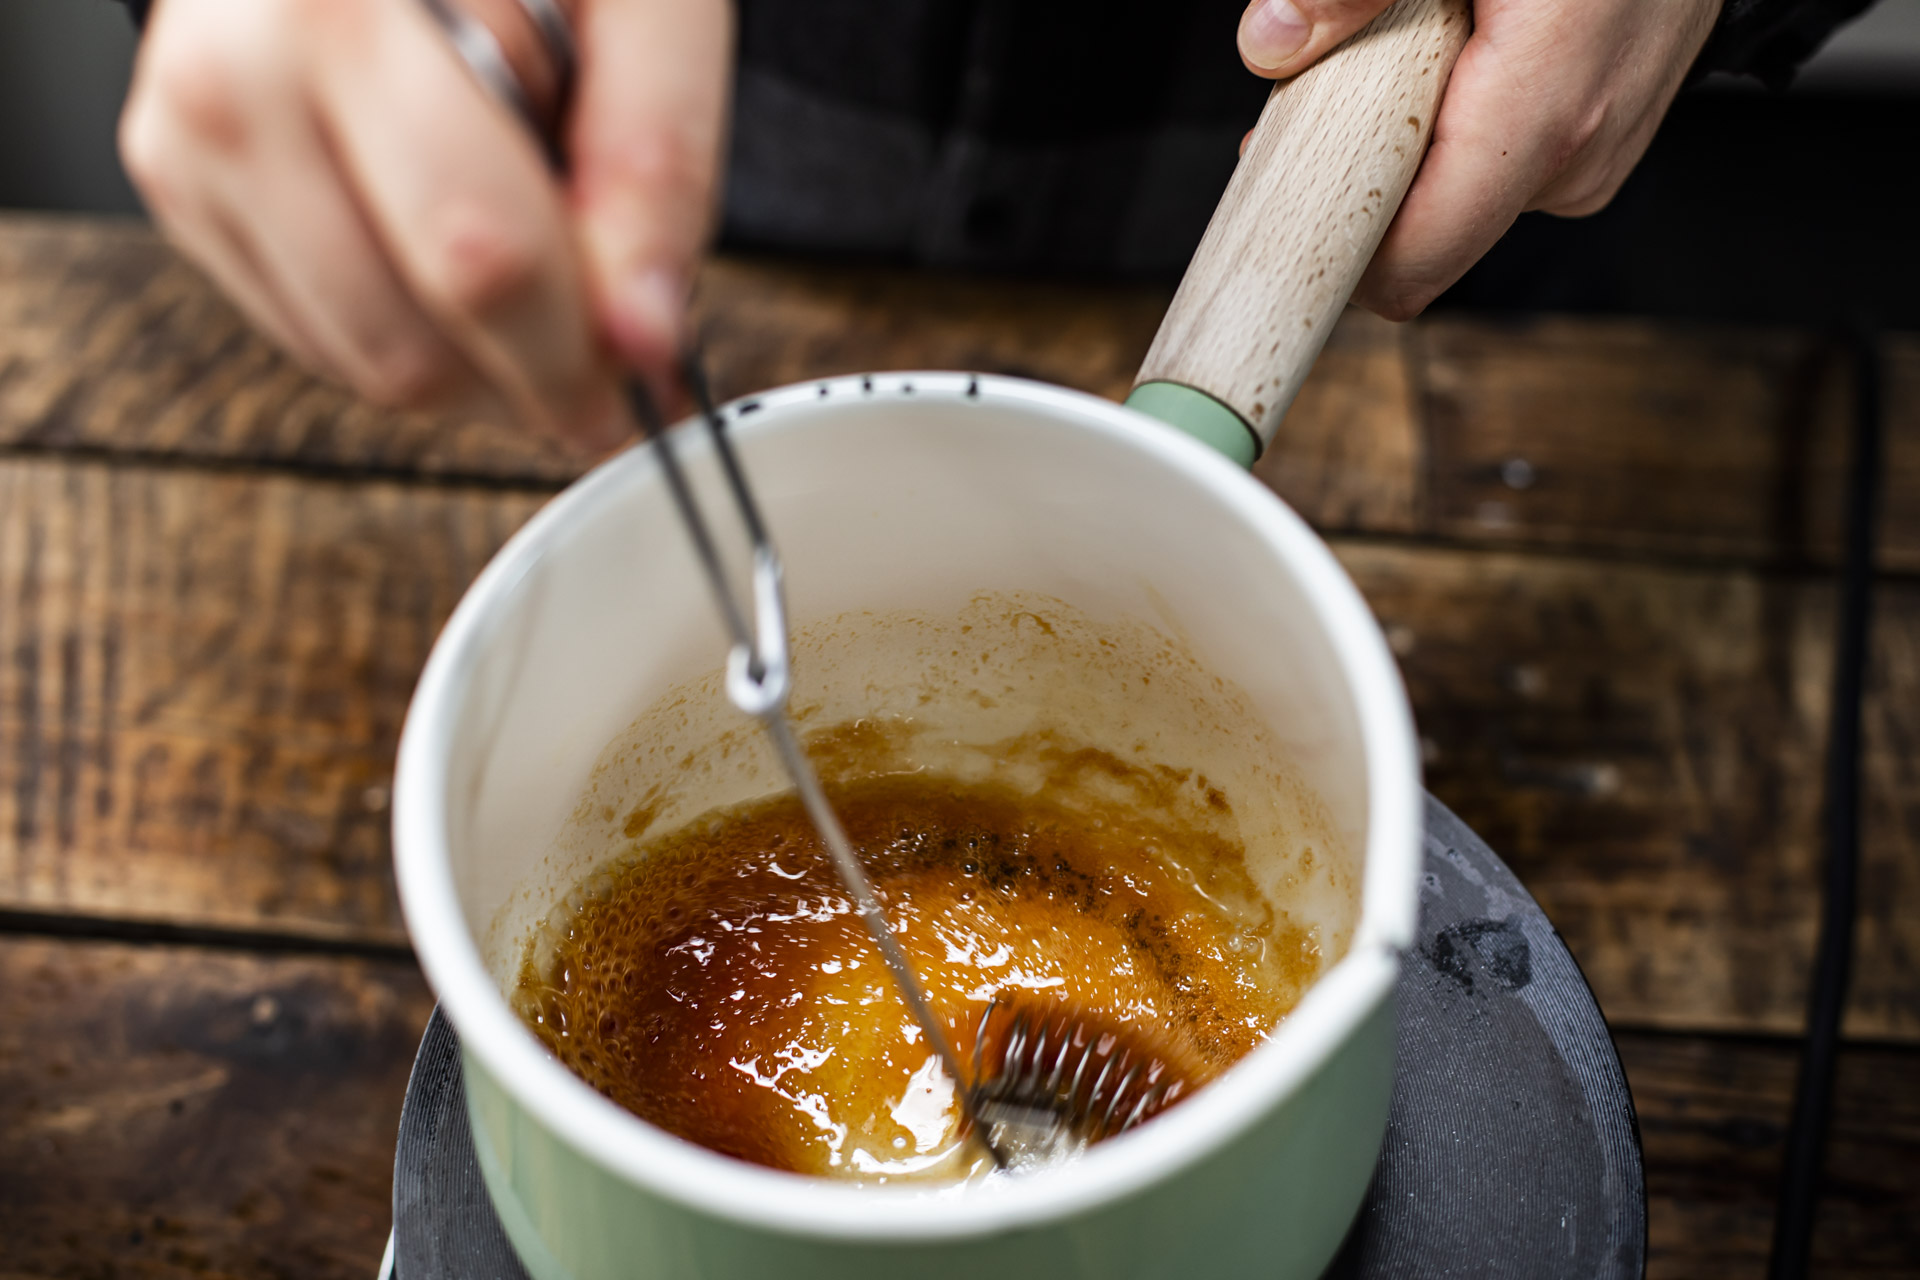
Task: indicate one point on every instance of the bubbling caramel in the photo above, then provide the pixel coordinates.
(720, 984)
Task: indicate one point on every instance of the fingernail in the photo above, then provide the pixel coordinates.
(1271, 33)
(650, 310)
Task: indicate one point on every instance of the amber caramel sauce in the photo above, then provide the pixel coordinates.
(718, 983)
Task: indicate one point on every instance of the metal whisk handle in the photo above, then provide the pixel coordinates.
(847, 863)
(759, 680)
(758, 676)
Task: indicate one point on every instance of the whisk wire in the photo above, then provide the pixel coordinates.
(1034, 1090)
(759, 679)
(759, 682)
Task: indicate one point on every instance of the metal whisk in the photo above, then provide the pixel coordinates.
(759, 681)
(1036, 1100)
(1054, 1084)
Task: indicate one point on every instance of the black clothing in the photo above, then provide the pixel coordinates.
(1076, 135)
(1071, 135)
(1769, 39)
(1081, 136)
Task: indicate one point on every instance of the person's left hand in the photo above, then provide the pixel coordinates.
(1550, 106)
(347, 181)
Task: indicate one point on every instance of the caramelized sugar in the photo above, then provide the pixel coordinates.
(721, 986)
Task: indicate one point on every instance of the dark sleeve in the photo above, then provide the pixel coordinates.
(1769, 39)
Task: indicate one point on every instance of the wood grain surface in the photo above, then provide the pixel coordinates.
(1708, 442)
(218, 581)
(175, 1112)
(1352, 456)
(182, 1112)
(204, 679)
(1713, 1121)
(764, 323)
(1672, 439)
(1643, 744)
(207, 673)
(109, 342)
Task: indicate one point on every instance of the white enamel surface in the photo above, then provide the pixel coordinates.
(896, 499)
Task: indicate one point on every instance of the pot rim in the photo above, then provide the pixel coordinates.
(683, 1172)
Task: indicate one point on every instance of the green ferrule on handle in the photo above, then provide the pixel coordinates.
(1200, 416)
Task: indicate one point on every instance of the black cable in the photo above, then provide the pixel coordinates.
(1813, 1098)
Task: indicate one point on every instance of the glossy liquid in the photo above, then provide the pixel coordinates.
(721, 986)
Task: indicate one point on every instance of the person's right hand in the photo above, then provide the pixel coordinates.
(1550, 106)
(340, 173)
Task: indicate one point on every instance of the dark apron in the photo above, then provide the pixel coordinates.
(1072, 136)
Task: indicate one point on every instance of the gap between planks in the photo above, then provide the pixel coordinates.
(176, 1111)
(205, 675)
(1663, 439)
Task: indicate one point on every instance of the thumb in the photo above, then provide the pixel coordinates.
(645, 142)
(1280, 38)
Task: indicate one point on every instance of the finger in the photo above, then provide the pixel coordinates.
(318, 248)
(645, 144)
(179, 118)
(221, 246)
(1284, 37)
(459, 195)
(1487, 159)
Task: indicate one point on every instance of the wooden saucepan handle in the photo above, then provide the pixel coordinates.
(1326, 168)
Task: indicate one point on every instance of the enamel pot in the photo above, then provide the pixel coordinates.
(918, 496)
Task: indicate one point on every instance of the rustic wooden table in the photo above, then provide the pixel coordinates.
(1601, 548)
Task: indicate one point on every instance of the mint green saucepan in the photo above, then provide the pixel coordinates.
(901, 502)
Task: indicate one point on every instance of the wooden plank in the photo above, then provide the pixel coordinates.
(766, 323)
(1347, 456)
(203, 684)
(204, 675)
(177, 1112)
(1350, 454)
(1643, 746)
(1713, 1118)
(1674, 439)
(1900, 503)
(1661, 438)
(1886, 974)
(109, 342)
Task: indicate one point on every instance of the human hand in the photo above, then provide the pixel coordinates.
(1550, 106)
(342, 176)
